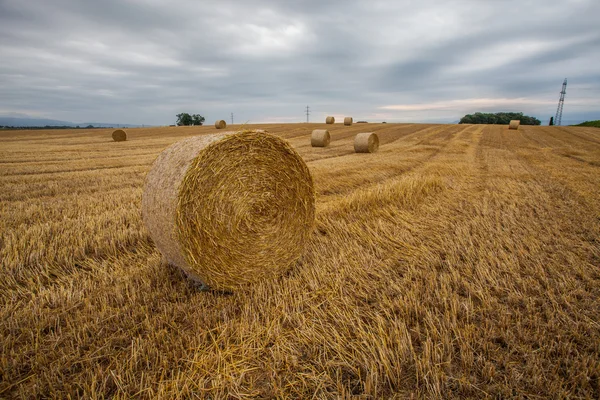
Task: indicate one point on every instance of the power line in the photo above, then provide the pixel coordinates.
(307, 113)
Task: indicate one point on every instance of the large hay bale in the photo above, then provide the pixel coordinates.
(221, 124)
(229, 209)
(514, 124)
(320, 138)
(366, 142)
(119, 135)
(348, 121)
(330, 120)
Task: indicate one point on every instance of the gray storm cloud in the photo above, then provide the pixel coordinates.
(143, 61)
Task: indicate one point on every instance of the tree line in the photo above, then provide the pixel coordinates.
(501, 118)
(185, 119)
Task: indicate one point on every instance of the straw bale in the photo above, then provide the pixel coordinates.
(119, 135)
(320, 138)
(348, 121)
(220, 124)
(330, 120)
(514, 124)
(231, 208)
(366, 142)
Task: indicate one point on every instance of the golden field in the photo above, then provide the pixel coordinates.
(460, 261)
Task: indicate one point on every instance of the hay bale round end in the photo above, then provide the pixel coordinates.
(229, 209)
(119, 135)
(514, 124)
(330, 120)
(348, 121)
(220, 124)
(367, 142)
(320, 138)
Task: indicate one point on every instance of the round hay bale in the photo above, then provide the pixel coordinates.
(119, 135)
(229, 209)
(367, 142)
(348, 121)
(221, 124)
(330, 120)
(320, 138)
(514, 124)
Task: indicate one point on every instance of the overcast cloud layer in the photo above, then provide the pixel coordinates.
(143, 61)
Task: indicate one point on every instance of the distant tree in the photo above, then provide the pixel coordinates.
(551, 121)
(590, 123)
(186, 119)
(197, 119)
(89, 126)
(501, 118)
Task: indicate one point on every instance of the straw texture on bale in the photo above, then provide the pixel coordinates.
(320, 138)
(348, 121)
(330, 120)
(367, 142)
(220, 124)
(119, 135)
(514, 124)
(229, 209)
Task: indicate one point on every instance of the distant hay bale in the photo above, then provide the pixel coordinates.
(348, 121)
(514, 124)
(366, 142)
(220, 124)
(119, 135)
(231, 208)
(330, 120)
(320, 138)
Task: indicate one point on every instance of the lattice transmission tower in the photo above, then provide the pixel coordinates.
(307, 113)
(561, 103)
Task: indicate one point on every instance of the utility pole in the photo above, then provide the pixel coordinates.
(307, 113)
(231, 118)
(561, 103)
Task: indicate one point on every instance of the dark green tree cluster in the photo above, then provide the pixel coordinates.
(501, 118)
(590, 123)
(186, 119)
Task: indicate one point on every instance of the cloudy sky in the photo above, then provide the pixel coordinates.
(143, 61)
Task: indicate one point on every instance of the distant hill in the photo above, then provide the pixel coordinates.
(28, 121)
(595, 124)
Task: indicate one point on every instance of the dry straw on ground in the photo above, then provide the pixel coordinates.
(514, 124)
(220, 124)
(330, 120)
(229, 209)
(119, 135)
(366, 142)
(320, 138)
(348, 121)
(459, 263)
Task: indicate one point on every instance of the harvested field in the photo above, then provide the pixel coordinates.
(457, 261)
